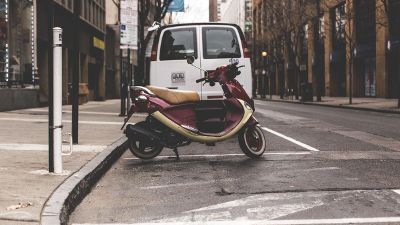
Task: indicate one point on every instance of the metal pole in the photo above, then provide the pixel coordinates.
(122, 84)
(121, 70)
(76, 75)
(50, 84)
(57, 98)
(128, 91)
(269, 83)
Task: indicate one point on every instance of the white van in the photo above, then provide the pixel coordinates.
(212, 44)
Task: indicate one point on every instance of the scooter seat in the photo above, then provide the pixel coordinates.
(175, 97)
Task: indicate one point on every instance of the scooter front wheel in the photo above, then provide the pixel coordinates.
(144, 149)
(252, 141)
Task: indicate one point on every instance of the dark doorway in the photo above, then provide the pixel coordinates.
(93, 80)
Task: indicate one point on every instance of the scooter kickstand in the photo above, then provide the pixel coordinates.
(176, 153)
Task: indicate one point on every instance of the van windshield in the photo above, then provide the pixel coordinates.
(220, 42)
(177, 44)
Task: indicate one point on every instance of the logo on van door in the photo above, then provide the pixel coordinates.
(178, 78)
(232, 61)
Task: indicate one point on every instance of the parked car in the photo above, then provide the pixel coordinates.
(212, 44)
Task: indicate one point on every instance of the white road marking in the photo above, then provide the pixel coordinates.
(373, 220)
(291, 140)
(389, 143)
(187, 184)
(322, 169)
(42, 147)
(80, 112)
(397, 191)
(224, 155)
(259, 200)
(64, 121)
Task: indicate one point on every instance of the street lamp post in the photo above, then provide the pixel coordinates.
(264, 55)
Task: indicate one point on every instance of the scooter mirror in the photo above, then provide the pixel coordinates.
(190, 60)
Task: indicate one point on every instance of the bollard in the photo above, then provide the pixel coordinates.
(57, 99)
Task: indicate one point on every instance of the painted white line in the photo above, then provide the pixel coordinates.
(291, 140)
(397, 191)
(41, 147)
(373, 220)
(187, 184)
(64, 121)
(80, 112)
(225, 155)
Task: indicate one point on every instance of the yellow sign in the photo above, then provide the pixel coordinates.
(97, 43)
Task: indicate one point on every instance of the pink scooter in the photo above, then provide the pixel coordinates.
(177, 118)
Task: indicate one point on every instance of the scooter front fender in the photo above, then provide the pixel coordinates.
(252, 122)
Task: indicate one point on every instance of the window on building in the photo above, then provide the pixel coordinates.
(220, 43)
(3, 43)
(321, 27)
(394, 7)
(339, 24)
(365, 21)
(178, 44)
(304, 39)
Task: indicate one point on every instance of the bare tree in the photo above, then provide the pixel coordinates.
(285, 25)
(300, 12)
(347, 20)
(145, 6)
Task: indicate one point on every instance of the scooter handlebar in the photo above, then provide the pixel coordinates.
(200, 80)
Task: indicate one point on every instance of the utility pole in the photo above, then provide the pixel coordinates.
(76, 74)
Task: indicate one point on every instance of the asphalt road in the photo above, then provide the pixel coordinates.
(322, 166)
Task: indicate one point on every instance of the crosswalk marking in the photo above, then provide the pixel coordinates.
(373, 220)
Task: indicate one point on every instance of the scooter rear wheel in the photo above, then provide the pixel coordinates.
(252, 141)
(144, 149)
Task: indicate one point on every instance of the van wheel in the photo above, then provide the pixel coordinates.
(252, 141)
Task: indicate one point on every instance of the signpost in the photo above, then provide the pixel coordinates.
(128, 40)
(129, 24)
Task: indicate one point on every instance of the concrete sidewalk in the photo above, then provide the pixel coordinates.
(372, 104)
(25, 183)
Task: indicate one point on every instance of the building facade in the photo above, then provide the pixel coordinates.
(25, 34)
(337, 47)
(233, 11)
(91, 32)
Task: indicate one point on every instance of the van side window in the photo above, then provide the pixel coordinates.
(220, 42)
(177, 44)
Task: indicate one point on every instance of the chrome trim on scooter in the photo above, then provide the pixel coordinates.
(140, 88)
(248, 112)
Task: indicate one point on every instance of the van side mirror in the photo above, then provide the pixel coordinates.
(155, 26)
(190, 60)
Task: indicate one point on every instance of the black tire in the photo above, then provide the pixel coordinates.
(252, 141)
(144, 148)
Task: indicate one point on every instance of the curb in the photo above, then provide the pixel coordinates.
(73, 190)
(332, 106)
